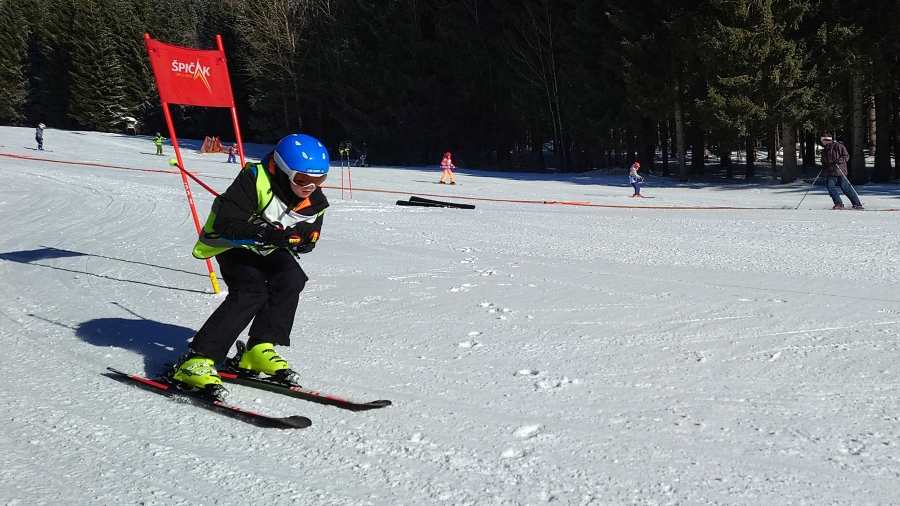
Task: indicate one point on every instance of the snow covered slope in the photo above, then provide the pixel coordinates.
(709, 346)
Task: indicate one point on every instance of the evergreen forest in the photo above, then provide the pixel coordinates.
(516, 85)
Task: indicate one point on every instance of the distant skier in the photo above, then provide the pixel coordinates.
(362, 161)
(271, 212)
(834, 163)
(158, 141)
(635, 179)
(39, 136)
(447, 166)
(231, 154)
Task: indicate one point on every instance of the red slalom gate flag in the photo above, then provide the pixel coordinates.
(190, 76)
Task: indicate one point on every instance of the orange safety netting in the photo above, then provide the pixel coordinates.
(212, 145)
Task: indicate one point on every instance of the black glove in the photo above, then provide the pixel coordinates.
(273, 235)
(310, 235)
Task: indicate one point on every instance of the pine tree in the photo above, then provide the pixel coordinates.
(49, 61)
(13, 92)
(275, 54)
(539, 54)
(764, 76)
(97, 75)
(658, 56)
(126, 31)
(879, 19)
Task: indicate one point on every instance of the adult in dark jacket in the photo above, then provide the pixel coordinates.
(271, 212)
(834, 163)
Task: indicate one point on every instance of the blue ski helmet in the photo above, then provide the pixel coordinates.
(301, 153)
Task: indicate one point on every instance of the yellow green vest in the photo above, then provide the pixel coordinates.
(210, 243)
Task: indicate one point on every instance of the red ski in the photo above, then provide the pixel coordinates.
(273, 385)
(204, 401)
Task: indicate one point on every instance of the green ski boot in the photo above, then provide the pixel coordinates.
(199, 373)
(263, 358)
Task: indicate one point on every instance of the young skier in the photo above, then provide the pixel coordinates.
(271, 212)
(232, 151)
(39, 136)
(635, 179)
(447, 166)
(158, 141)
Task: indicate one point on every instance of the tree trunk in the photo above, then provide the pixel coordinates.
(858, 173)
(673, 142)
(882, 172)
(726, 162)
(630, 141)
(698, 160)
(679, 136)
(895, 131)
(789, 170)
(750, 168)
(870, 113)
(647, 143)
(664, 147)
(772, 141)
(809, 150)
(538, 147)
(620, 162)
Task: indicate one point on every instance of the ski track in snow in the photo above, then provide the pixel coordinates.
(534, 353)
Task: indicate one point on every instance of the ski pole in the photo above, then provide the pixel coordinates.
(853, 188)
(810, 188)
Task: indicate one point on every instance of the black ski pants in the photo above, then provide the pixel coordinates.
(262, 289)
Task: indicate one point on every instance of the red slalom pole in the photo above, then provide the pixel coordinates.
(187, 190)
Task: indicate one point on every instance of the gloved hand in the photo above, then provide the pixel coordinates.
(304, 248)
(272, 235)
(310, 236)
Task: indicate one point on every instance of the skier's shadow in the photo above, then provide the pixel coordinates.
(159, 343)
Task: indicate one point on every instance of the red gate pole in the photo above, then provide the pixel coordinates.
(187, 190)
(234, 120)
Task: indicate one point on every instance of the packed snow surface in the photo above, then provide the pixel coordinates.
(713, 345)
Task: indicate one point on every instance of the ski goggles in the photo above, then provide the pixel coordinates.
(305, 180)
(301, 179)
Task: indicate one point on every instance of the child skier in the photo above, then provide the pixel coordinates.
(635, 179)
(271, 212)
(447, 166)
(231, 152)
(158, 141)
(39, 136)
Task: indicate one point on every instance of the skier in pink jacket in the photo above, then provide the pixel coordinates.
(447, 166)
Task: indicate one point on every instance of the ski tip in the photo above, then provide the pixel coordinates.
(379, 404)
(115, 373)
(297, 422)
